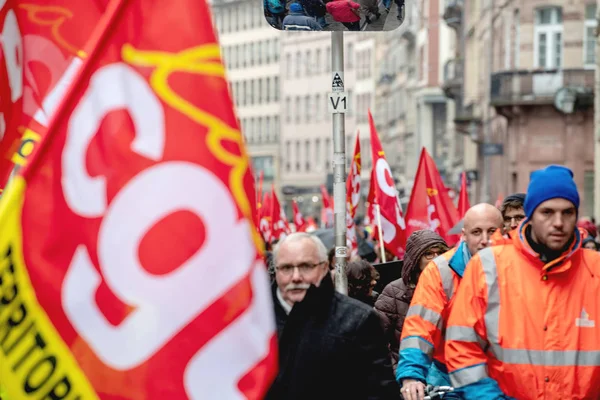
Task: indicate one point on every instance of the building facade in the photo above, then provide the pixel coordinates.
(528, 86)
(412, 108)
(251, 50)
(306, 127)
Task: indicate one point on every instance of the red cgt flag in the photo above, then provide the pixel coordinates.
(279, 226)
(115, 239)
(353, 198)
(463, 197)
(42, 50)
(327, 210)
(386, 196)
(299, 221)
(430, 206)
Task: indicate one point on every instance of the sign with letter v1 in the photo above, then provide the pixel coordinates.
(338, 103)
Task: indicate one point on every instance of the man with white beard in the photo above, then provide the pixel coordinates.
(330, 345)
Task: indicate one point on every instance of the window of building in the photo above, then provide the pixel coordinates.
(243, 93)
(589, 48)
(298, 109)
(297, 155)
(260, 129)
(288, 65)
(288, 155)
(275, 45)
(268, 133)
(265, 164)
(307, 63)
(276, 88)
(548, 38)
(268, 90)
(350, 56)
(318, 67)
(276, 128)
(307, 108)
(298, 65)
(288, 109)
(317, 106)
(328, 59)
(318, 152)
(259, 89)
(307, 155)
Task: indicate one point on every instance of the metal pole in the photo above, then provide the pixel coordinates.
(339, 160)
(597, 125)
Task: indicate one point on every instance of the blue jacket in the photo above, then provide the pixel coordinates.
(298, 21)
(415, 363)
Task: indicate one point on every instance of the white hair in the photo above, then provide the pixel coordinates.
(298, 236)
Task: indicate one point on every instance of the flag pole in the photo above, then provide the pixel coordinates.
(338, 107)
(379, 230)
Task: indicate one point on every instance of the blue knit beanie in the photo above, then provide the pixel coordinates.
(552, 182)
(296, 7)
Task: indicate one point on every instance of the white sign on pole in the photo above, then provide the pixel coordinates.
(338, 103)
(337, 81)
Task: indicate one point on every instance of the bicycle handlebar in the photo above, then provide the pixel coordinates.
(437, 392)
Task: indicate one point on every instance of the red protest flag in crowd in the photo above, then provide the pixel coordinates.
(327, 210)
(386, 197)
(265, 218)
(42, 50)
(430, 206)
(279, 226)
(259, 194)
(119, 229)
(353, 197)
(463, 197)
(299, 221)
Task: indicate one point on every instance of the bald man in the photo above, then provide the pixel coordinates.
(422, 358)
(480, 223)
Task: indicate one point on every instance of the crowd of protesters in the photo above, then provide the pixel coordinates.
(310, 15)
(508, 312)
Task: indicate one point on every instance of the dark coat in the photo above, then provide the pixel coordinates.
(392, 306)
(331, 347)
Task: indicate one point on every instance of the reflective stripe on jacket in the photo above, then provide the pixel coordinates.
(422, 338)
(525, 329)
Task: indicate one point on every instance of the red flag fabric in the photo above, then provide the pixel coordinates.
(463, 197)
(430, 206)
(42, 50)
(353, 198)
(298, 218)
(386, 196)
(259, 194)
(279, 226)
(265, 218)
(118, 232)
(327, 210)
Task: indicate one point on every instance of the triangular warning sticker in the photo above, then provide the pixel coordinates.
(337, 81)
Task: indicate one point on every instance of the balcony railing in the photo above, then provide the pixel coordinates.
(453, 77)
(535, 87)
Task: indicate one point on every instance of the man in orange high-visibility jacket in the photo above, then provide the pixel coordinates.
(525, 322)
(422, 341)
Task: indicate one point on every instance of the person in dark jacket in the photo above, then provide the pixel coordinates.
(421, 247)
(330, 345)
(362, 278)
(315, 9)
(297, 20)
